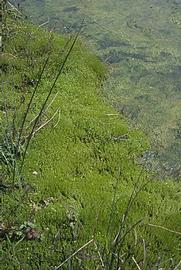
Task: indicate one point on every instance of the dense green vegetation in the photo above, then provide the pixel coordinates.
(81, 179)
(141, 41)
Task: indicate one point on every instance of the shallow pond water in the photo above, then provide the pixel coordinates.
(141, 43)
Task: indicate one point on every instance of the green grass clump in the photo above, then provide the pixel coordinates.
(81, 175)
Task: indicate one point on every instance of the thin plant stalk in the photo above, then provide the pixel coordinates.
(112, 210)
(33, 94)
(49, 94)
(30, 103)
(73, 255)
(119, 239)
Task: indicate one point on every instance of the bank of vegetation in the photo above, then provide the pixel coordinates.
(73, 192)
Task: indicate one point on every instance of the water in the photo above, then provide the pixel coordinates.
(141, 43)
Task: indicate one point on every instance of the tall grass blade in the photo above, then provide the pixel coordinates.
(49, 94)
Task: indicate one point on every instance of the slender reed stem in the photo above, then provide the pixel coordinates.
(48, 96)
(71, 256)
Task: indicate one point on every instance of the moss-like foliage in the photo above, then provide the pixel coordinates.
(141, 43)
(81, 168)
